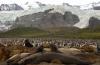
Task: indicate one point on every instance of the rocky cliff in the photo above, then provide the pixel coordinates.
(48, 20)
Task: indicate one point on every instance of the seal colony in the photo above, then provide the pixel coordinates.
(55, 51)
(40, 56)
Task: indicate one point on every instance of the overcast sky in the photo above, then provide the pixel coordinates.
(73, 2)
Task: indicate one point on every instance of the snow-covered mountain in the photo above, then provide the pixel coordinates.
(10, 7)
(37, 15)
(92, 6)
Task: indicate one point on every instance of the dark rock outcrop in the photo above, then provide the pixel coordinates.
(96, 8)
(94, 22)
(70, 18)
(47, 20)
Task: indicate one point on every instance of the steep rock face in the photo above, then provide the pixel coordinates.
(47, 20)
(70, 18)
(96, 8)
(10, 7)
(94, 22)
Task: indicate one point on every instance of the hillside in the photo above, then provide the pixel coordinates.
(23, 32)
(70, 33)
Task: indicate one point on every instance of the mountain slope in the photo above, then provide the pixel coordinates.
(47, 20)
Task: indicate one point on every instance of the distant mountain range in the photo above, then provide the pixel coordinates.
(10, 7)
(47, 16)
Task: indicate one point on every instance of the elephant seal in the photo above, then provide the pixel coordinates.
(48, 57)
(39, 49)
(54, 48)
(27, 43)
(15, 58)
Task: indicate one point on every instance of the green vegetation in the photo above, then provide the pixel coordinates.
(62, 32)
(23, 32)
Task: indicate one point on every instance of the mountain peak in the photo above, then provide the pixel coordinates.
(10, 7)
